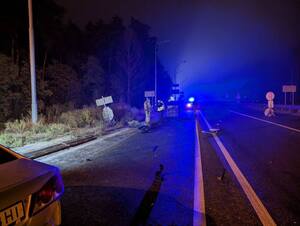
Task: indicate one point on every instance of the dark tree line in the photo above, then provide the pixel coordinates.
(74, 66)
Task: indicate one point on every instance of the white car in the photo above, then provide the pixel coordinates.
(30, 191)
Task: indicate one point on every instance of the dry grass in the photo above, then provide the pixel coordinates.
(56, 123)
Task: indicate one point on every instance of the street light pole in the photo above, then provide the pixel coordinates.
(155, 75)
(34, 113)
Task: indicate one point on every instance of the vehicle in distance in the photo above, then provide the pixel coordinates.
(30, 191)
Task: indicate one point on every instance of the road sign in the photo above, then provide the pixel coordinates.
(107, 114)
(104, 100)
(269, 112)
(289, 89)
(150, 93)
(270, 96)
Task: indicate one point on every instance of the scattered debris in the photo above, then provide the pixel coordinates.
(134, 124)
(222, 175)
(211, 131)
(154, 150)
(214, 130)
(145, 129)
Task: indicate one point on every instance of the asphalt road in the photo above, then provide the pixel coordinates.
(267, 154)
(143, 179)
(149, 179)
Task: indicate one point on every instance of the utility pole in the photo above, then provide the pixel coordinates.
(34, 108)
(155, 75)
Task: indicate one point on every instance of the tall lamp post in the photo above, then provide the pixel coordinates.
(34, 111)
(155, 68)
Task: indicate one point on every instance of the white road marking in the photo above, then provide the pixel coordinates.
(273, 123)
(256, 203)
(199, 200)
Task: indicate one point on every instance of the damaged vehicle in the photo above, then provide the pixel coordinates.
(30, 191)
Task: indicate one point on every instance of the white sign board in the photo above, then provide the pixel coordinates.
(289, 89)
(107, 114)
(104, 100)
(150, 93)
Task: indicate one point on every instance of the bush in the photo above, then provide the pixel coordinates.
(85, 117)
(39, 127)
(121, 111)
(56, 129)
(18, 126)
(69, 118)
(11, 140)
(21, 132)
(54, 112)
(80, 118)
(125, 113)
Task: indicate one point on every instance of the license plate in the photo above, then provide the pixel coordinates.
(13, 214)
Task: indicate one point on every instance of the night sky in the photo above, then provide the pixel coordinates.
(229, 44)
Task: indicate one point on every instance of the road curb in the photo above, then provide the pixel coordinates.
(58, 147)
(67, 144)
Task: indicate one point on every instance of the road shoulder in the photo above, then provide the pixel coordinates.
(226, 204)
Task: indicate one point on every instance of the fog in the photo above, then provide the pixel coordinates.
(228, 46)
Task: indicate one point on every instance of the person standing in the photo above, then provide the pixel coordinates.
(160, 109)
(147, 109)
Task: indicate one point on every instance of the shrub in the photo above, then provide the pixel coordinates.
(80, 118)
(125, 113)
(69, 118)
(18, 126)
(56, 129)
(21, 132)
(11, 140)
(40, 126)
(85, 117)
(121, 111)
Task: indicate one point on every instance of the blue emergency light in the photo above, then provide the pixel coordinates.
(191, 99)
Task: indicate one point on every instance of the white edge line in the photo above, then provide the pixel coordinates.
(256, 203)
(273, 123)
(199, 200)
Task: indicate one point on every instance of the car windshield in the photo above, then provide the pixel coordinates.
(5, 156)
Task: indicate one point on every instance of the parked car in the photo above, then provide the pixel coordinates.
(30, 191)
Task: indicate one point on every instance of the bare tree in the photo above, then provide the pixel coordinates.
(130, 58)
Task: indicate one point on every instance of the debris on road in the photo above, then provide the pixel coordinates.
(134, 124)
(211, 131)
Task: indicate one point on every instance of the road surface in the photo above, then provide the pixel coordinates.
(178, 173)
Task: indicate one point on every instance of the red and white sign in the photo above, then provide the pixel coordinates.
(270, 96)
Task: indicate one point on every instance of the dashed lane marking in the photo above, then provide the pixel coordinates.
(262, 120)
(256, 203)
(199, 200)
